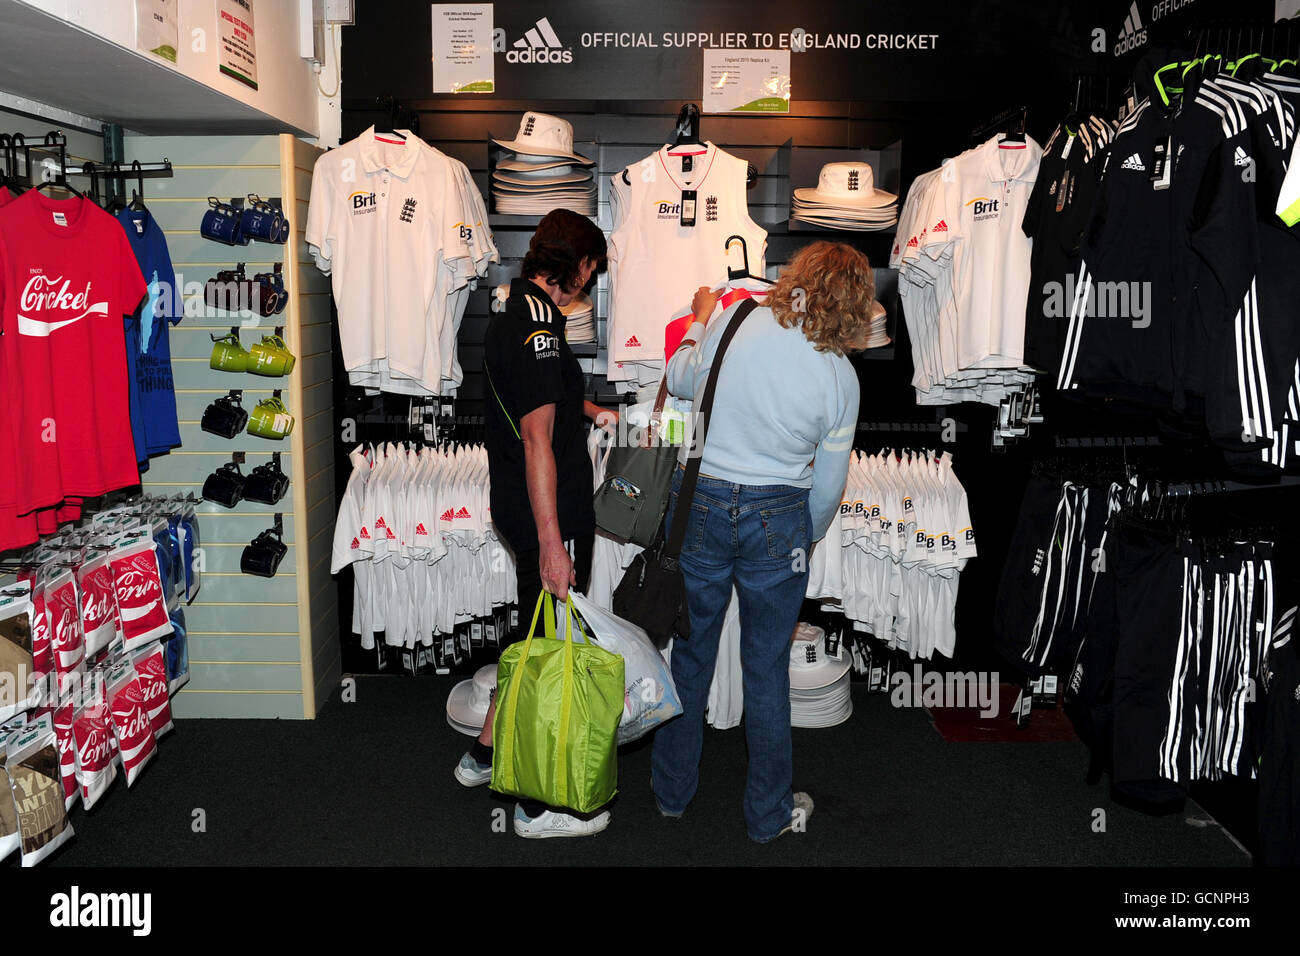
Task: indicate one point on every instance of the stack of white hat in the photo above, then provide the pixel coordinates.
(467, 704)
(878, 332)
(580, 319)
(819, 682)
(544, 173)
(846, 198)
(579, 315)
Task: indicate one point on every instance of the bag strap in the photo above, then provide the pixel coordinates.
(566, 712)
(507, 707)
(684, 498)
(660, 399)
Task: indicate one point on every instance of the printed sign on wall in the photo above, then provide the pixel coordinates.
(740, 82)
(156, 28)
(462, 48)
(238, 51)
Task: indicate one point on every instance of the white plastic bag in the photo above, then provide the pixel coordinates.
(649, 697)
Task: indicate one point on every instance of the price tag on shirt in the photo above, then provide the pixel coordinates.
(1162, 166)
(688, 207)
(1024, 707)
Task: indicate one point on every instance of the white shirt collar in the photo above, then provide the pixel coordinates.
(372, 153)
(1006, 165)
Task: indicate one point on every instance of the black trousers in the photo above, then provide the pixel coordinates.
(529, 573)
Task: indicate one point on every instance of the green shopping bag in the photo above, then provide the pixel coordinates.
(558, 707)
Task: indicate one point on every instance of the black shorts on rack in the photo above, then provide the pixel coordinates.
(1151, 734)
(1028, 572)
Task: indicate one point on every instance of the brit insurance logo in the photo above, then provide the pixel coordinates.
(361, 202)
(539, 44)
(545, 344)
(668, 209)
(984, 209)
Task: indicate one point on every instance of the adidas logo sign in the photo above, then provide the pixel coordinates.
(540, 45)
(391, 536)
(447, 515)
(1239, 158)
(1134, 33)
(379, 522)
(1134, 162)
(912, 243)
(365, 534)
(463, 513)
(632, 343)
(940, 226)
(419, 529)
(355, 544)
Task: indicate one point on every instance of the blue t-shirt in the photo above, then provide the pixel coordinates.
(149, 356)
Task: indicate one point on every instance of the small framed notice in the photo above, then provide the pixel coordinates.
(156, 28)
(462, 48)
(743, 81)
(238, 51)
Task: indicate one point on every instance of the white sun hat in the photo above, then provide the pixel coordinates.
(850, 185)
(544, 135)
(467, 704)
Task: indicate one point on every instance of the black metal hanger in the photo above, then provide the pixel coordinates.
(743, 272)
(688, 125)
(117, 201)
(393, 108)
(51, 140)
(90, 170)
(19, 141)
(1009, 124)
(137, 197)
(687, 133)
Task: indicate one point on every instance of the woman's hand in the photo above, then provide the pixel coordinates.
(704, 302)
(557, 570)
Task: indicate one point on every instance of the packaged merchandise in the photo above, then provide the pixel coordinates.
(37, 787)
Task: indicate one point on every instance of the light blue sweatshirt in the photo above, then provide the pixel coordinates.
(783, 414)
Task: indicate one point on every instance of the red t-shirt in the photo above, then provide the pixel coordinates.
(6, 196)
(68, 278)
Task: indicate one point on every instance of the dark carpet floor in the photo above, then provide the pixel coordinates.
(369, 783)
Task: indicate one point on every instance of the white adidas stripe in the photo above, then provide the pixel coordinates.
(1174, 726)
(1069, 358)
(540, 35)
(1261, 367)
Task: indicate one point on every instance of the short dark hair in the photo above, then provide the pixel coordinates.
(562, 241)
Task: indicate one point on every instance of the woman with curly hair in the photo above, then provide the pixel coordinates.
(774, 465)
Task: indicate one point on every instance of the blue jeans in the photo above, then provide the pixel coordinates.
(758, 537)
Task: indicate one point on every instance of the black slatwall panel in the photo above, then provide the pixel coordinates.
(616, 135)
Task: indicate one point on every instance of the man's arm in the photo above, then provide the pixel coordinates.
(536, 429)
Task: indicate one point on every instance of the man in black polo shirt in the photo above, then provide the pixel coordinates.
(538, 467)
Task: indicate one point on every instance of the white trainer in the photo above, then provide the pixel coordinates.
(551, 824)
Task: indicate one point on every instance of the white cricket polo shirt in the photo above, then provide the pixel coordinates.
(986, 202)
(378, 220)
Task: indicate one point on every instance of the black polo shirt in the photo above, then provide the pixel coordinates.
(528, 364)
